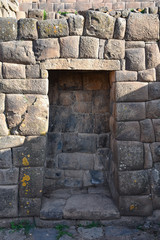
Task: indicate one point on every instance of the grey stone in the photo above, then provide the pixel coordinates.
(156, 124)
(9, 176)
(125, 76)
(155, 179)
(120, 232)
(102, 123)
(0, 70)
(158, 73)
(5, 158)
(76, 23)
(69, 182)
(47, 234)
(97, 177)
(99, 24)
(8, 29)
(29, 207)
(129, 155)
(147, 131)
(155, 149)
(153, 109)
(153, 90)
(125, 13)
(148, 75)
(70, 142)
(148, 162)
(89, 47)
(92, 233)
(17, 52)
(101, 159)
(120, 28)
(114, 49)
(2, 102)
(33, 71)
(87, 143)
(135, 59)
(103, 140)
(101, 48)
(134, 44)
(69, 47)
(13, 71)
(135, 27)
(9, 201)
(127, 131)
(53, 28)
(11, 141)
(3, 126)
(27, 29)
(152, 55)
(51, 173)
(54, 143)
(86, 123)
(36, 13)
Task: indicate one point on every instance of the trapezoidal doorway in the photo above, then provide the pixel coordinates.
(78, 147)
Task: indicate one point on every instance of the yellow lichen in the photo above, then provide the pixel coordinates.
(131, 207)
(25, 179)
(25, 161)
(28, 155)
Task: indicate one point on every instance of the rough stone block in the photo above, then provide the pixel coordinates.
(148, 162)
(17, 52)
(36, 13)
(89, 47)
(5, 158)
(120, 28)
(131, 92)
(152, 55)
(114, 49)
(152, 109)
(147, 131)
(8, 29)
(33, 71)
(127, 131)
(69, 182)
(103, 140)
(46, 48)
(53, 173)
(99, 24)
(27, 29)
(2, 102)
(93, 177)
(29, 207)
(86, 123)
(53, 28)
(101, 123)
(158, 73)
(156, 124)
(101, 48)
(31, 182)
(13, 71)
(155, 179)
(9, 176)
(87, 142)
(129, 155)
(135, 44)
(133, 182)
(3, 126)
(155, 149)
(96, 81)
(135, 59)
(11, 141)
(69, 47)
(82, 107)
(122, 76)
(129, 111)
(102, 158)
(101, 102)
(75, 23)
(153, 90)
(54, 144)
(148, 75)
(142, 27)
(70, 142)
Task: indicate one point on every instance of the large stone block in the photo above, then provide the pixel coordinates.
(148, 161)
(152, 109)
(11, 141)
(156, 124)
(114, 49)
(53, 28)
(2, 102)
(102, 123)
(103, 140)
(147, 131)
(129, 155)
(69, 47)
(8, 29)
(99, 24)
(3, 126)
(36, 13)
(13, 71)
(5, 158)
(87, 143)
(101, 102)
(102, 158)
(127, 131)
(86, 123)
(9, 176)
(135, 59)
(154, 90)
(29, 207)
(142, 27)
(89, 47)
(120, 28)
(9, 201)
(155, 179)
(148, 75)
(122, 76)
(33, 71)
(27, 29)
(155, 149)
(54, 144)
(152, 55)
(17, 52)
(135, 44)
(76, 23)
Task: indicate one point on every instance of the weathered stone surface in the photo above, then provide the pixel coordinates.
(129, 111)
(101, 48)
(17, 52)
(23, 86)
(134, 44)
(148, 162)
(129, 155)
(31, 154)
(135, 205)
(152, 109)
(33, 71)
(3, 126)
(69, 47)
(131, 92)
(103, 140)
(9, 201)
(75, 23)
(147, 131)
(135, 59)
(11, 141)
(121, 76)
(27, 29)
(9, 176)
(148, 75)
(31, 182)
(8, 29)
(158, 73)
(89, 47)
(155, 149)
(93, 233)
(93, 177)
(29, 207)
(152, 55)
(155, 179)
(87, 142)
(36, 13)
(142, 27)
(2, 102)
(120, 28)
(114, 49)
(99, 24)
(133, 182)
(13, 71)
(0, 70)
(153, 90)
(156, 124)
(127, 131)
(53, 28)
(46, 48)
(5, 158)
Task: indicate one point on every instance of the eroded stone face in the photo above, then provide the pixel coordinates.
(8, 29)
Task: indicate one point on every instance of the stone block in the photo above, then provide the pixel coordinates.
(134, 44)
(11, 141)
(99, 24)
(54, 144)
(101, 102)
(29, 207)
(54, 173)
(133, 182)
(148, 75)
(158, 73)
(129, 155)
(83, 96)
(53, 28)
(156, 124)
(86, 123)
(13, 71)
(76, 23)
(70, 81)
(70, 142)
(23, 86)
(46, 49)
(152, 55)
(2, 102)
(147, 131)
(129, 111)
(36, 13)
(135, 27)
(127, 131)
(155, 149)
(101, 123)
(153, 90)
(69, 182)
(102, 158)
(148, 162)
(31, 154)
(17, 52)
(8, 29)
(33, 71)
(152, 109)
(69, 47)
(87, 143)
(103, 140)
(27, 29)
(114, 49)
(89, 47)
(131, 92)
(101, 48)
(96, 81)
(9, 176)
(93, 177)
(136, 205)
(155, 179)
(135, 59)
(120, 28)
(31, 182)
(3, 126)
(5, 158)
(9, 201)
(122, 76)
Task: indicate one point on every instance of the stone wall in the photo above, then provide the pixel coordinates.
(128, 48)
